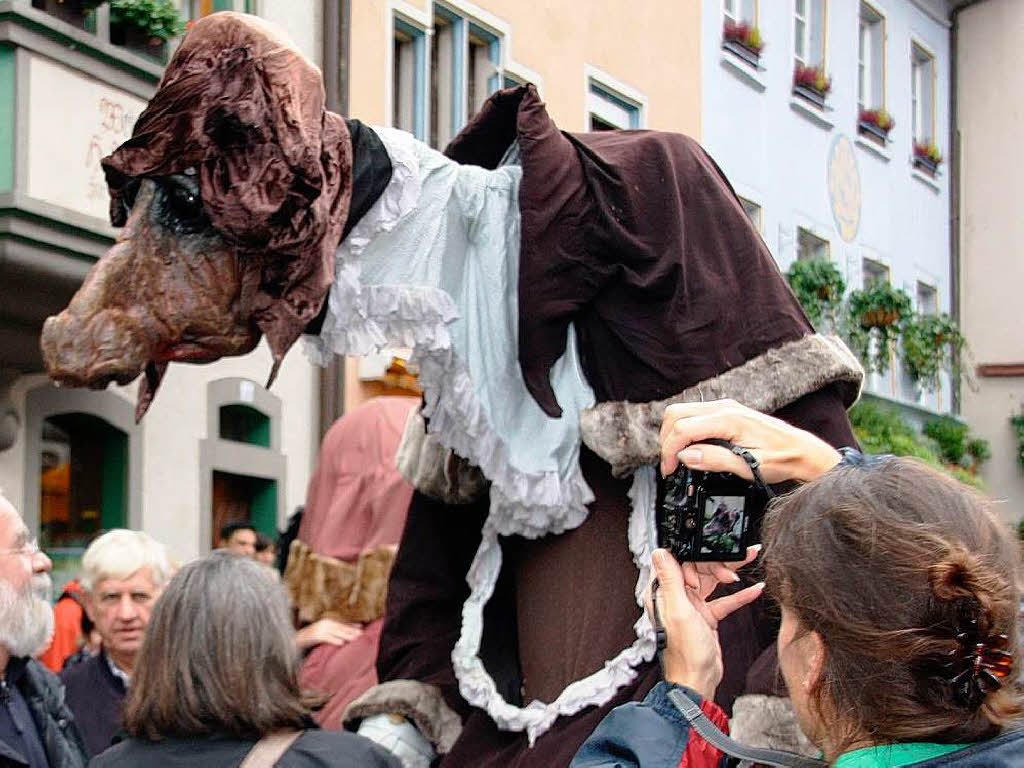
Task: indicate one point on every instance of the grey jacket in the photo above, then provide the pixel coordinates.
(44, 695)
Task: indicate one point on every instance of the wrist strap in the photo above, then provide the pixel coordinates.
(752, 461)
(710, 733)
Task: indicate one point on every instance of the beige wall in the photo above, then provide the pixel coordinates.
(651, 46)
(991, 104)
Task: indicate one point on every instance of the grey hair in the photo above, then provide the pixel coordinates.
(219, 656)
(119, 553)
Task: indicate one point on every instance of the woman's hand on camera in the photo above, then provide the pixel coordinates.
(693, 656)
(785, 452)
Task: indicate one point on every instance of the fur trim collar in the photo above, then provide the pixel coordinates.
(626, 434)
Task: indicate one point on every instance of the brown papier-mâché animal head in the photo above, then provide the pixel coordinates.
(232, 193)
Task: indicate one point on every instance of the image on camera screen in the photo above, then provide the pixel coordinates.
(723, 525)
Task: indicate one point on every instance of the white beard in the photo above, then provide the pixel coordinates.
(26, 616)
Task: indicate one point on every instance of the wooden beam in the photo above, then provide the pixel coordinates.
(1000, 369)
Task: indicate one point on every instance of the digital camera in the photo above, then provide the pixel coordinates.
(707, 515)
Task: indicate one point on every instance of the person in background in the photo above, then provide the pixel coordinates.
(68, 634)
(218, 674)
(899, 590)
(238, 538)
(265, 550)
(123, 573)
(36, 727)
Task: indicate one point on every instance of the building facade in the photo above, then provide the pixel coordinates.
(792, 92)
(990, 233)
(216, 446)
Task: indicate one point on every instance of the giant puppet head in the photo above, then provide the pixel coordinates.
(232, 193)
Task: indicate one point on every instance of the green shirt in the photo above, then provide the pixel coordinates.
(894, 755)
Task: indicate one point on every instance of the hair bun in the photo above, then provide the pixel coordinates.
(954, 577)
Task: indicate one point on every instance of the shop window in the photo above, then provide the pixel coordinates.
(809, 246)
(871, 59)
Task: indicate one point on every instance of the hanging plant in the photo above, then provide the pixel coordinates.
(931, 344)
(158, 20)
(819, 287)
(873, 323)
(1018, 424)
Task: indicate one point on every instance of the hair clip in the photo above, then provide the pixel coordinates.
(977, 666)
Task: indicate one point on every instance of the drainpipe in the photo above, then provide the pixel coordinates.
(955, 177)
(336, 35)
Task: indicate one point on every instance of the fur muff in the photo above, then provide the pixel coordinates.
(434, 470)
(420, 702)
(325, 587)
(769, 722)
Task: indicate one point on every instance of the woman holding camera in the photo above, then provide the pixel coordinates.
(899, 591)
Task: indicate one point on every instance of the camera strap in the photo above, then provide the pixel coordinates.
(752, 461)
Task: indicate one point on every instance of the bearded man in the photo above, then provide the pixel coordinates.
(36, 727)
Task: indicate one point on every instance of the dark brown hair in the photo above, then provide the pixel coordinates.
(219, 656)
(886, 563)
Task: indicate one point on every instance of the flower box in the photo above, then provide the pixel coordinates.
(812, 84)
(138, 41)
(927, 157)
(743, 40)
(875, 124)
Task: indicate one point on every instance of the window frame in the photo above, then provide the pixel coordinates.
(916, 135)
(759, 223)
(607, 98)
(809, 232)
(419, 40)
(865, 260)
(866, 67)
(933, 289)
(808, 20)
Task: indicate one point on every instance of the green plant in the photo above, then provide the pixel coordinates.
(154, 18)
(819, 287)
(979, 450)
(1018, 424)
(951, 437)
(931, 343)
(873, 323)
(1020, 529)
(881, 430)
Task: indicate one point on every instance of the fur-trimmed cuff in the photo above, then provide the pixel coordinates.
(769, 722)
(626, 434)
(419, 702)
(434, 470)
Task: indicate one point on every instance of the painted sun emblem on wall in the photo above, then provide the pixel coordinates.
(844, 187)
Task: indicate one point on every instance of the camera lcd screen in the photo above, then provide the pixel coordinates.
(723, 525)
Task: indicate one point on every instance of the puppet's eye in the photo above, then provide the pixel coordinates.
(182, 208)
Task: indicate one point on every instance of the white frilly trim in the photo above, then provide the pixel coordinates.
(362, 319)
(479, 689)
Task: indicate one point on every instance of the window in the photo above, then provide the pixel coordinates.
(408, 79)
(874, 272)
(483, 74)
(871, 59)
(809, 246)
(927, 299)
(465, 68)
(922, 94)
(753, 211)
(608, 109)
(809, 32)
(740, 11)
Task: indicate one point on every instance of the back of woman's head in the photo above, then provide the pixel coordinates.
(218, 657)
(889, 564)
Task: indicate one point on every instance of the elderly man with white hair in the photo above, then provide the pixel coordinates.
(123, 573)
(36, 728)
